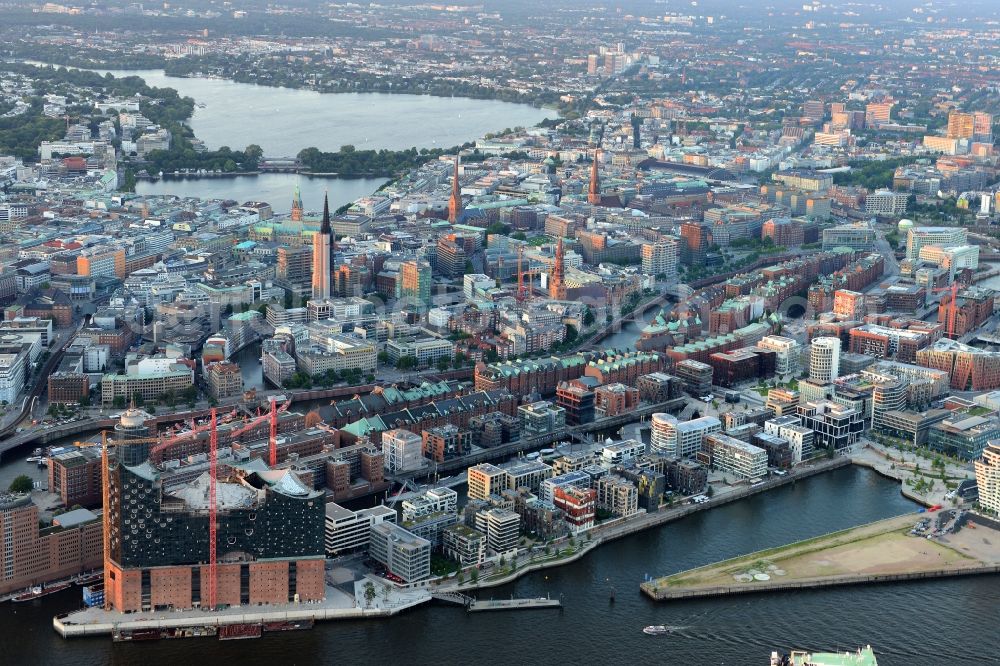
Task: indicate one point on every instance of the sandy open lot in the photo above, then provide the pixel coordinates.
(880, 548)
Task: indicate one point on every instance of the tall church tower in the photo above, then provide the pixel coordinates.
(455, 202)
(557, 284)
(321, 255)
(297, 205)
(594, 193)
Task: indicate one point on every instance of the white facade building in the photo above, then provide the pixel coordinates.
(824, 360)
(403, 450)
(681, 439)
(348, 531)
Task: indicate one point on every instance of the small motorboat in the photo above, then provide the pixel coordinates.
(657, 630)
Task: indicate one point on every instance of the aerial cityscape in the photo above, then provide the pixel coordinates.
(649, 330)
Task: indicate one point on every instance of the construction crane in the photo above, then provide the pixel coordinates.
(213, 527)
(520, 273)
(952, 309)
(106, 514)
(524, 290)
(213, 471)
(272, 415)
(167, 442)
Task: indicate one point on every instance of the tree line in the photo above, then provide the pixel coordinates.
(348, 161)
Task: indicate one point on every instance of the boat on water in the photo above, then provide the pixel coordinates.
(289, 625)
(155, 633)
(657, 630)
(39, 591)
(862, 657)
(91, 579)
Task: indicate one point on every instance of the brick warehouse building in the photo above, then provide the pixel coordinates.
(270, 535)
(455, 411)
(31, 555)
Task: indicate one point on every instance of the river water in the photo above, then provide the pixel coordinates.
(914, 624)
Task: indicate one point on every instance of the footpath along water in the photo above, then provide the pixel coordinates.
(896, 619)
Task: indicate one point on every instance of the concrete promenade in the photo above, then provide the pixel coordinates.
(338, 605)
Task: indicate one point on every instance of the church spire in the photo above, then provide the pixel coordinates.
(325, 226)
(455, 202)
(557, 288)
(297, 205)
(322, 255)
(594, 194)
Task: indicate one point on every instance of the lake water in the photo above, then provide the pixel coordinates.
(283, 121)
(275, 188)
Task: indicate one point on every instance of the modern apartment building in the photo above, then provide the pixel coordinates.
(617, 496)
(349, 531)
(732, 456)
(403, 450)
(660, 258)
(464, 545)
(502, 528)
(539, 418)
(404, 554)
(835, 426)
(486, 479)
(886, 202)
(988, 477)
(824, 360)
(681, 439)
(919, 237)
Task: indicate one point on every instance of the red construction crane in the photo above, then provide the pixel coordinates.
(213, 465)
(257, 420)
(106, 514)
(272, 441)
(167, 442)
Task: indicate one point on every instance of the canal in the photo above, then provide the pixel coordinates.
(915, 624)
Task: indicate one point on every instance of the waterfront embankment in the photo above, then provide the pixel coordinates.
(338, 605)
(571, 549)
(885, 551)
(920, 480)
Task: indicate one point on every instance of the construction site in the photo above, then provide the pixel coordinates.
(246, 534)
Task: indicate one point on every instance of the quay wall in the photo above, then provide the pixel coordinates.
(812, 583)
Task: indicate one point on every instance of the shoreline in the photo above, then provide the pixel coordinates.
(584, 544)
(614, 530)
(174, 175)
(819, 583)
(878, 552)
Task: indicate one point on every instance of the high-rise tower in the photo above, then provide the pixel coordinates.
(594, 193)
(297, 205)
(557, 287)
(455, 202)
(321, 255)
